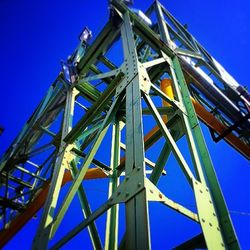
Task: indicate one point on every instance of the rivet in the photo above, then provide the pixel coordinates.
(119, 193)
(127, 194)
(139, 168)
(151, 191)
(127, 178)
(139, 184)
(210, 224)
(202, 220)
(160, 195)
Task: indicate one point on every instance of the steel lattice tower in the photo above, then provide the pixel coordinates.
(155, 96)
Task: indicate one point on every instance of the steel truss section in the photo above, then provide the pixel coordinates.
(120, 98)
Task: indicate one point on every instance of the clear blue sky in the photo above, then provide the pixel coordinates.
(36, 35)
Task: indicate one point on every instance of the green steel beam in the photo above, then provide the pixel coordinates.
(131, 82)
(220, 204)
(77, 181)
(97, 213)
(143, 30)
(203, 153)
(111, 239)
(28, 134)
(43, 234)
(97, 163)
(99, 47)
(166, 38)
(179, 157)
(95, 110)
(161, 161)
(137, 221)
(95, 238)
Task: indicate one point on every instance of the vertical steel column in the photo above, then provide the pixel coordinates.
(111, 239)
(137, 221)
(43, 234)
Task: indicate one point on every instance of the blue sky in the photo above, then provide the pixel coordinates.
(36, 35)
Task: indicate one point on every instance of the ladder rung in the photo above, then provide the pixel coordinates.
(29, 173)
(17, 180)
